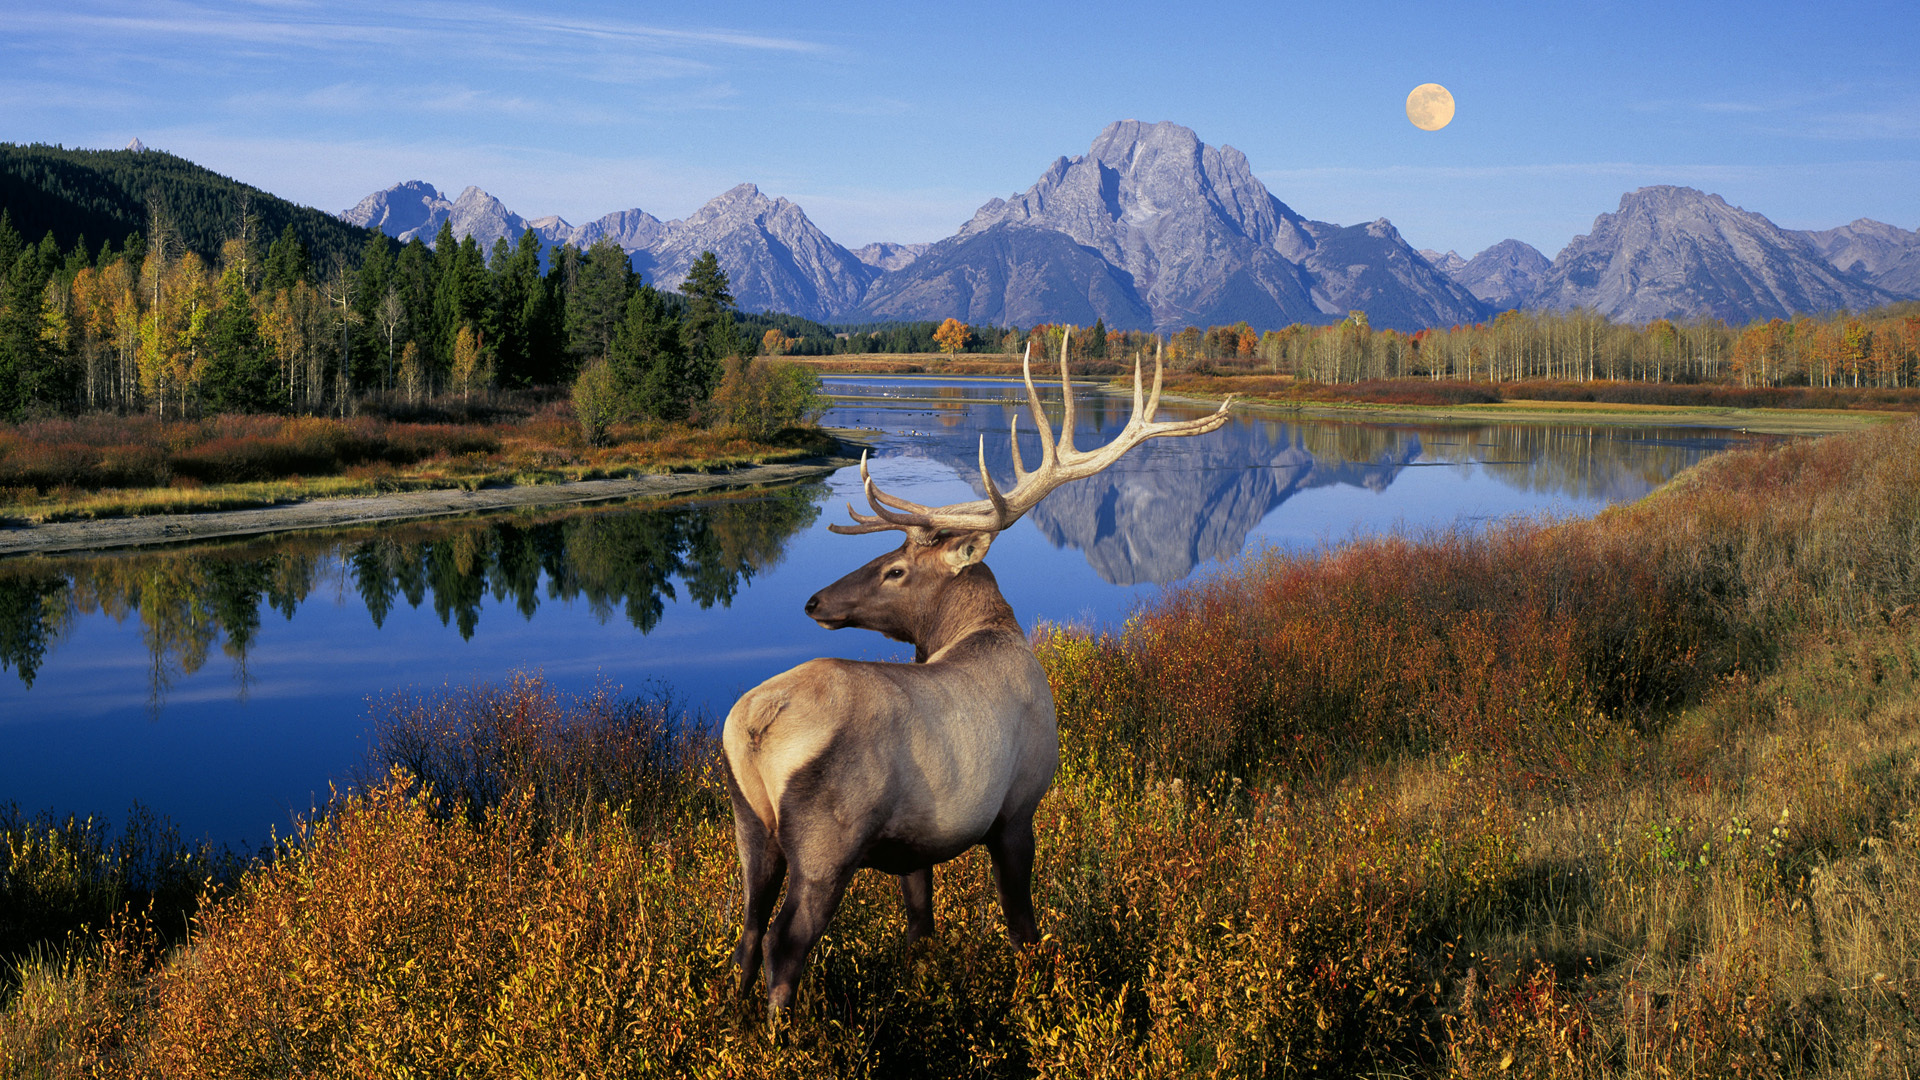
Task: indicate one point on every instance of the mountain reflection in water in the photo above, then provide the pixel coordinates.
(1172, 505)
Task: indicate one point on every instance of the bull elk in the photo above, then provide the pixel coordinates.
(842, 764)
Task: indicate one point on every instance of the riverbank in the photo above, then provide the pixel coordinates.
(326, 513)
(1759, 421)
(1255, 393)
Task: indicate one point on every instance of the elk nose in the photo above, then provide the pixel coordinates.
(813, 603)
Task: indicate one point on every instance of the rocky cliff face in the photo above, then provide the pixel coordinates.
(1504, 276)
(1887, 256)
(416, 209)
(1370, 268)
(775, 258)
(1190, 237)
(1678, 252)
(884, 255)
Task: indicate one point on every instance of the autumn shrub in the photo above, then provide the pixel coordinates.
(647, 756)
(1530, 643)
(66, 878)
(761, 397)
(107, 452)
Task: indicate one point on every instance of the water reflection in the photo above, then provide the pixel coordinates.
(186, 601)
(1172, 505)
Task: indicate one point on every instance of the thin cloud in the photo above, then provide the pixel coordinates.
(390, 29)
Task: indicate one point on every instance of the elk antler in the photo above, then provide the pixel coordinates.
(1059, 463)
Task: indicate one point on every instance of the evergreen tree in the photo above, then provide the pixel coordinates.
(597, 299)
(413, 277)
(460, 292)
(707, 333)
(520, 297)
(23, 356)
(240, 373)
(287, 263)
(647, 362)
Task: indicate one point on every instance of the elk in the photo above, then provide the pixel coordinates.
(842, 764)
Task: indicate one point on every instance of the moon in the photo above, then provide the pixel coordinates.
(1430, 107)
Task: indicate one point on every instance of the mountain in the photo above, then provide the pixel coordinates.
(775, 257)
(1679, 252)
(1885, 255)
(104, 195)
(1504, 276)
(1008, 275)
(1188, 236)
(1154, 229)
(415, 209)
(1370, 268)
(889, 256)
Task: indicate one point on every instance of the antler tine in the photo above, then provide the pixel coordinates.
(882, 518)
(1039, 413)
(998, 500)
(1013, 444)
(1066, 397)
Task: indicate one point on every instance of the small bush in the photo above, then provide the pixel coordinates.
(596, 404)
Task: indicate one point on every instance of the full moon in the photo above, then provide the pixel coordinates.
(1430, 107)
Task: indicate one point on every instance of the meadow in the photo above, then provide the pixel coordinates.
(1629, 796)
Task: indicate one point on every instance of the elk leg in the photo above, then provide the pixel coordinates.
(916, 895)
(763, 866)
(803, 917)
(1011, 848)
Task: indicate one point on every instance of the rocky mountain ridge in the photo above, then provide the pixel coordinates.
(1152, 228)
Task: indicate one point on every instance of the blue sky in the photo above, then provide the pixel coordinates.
(895, 121)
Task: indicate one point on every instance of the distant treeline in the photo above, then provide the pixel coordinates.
(1879, 348)
(154, 325)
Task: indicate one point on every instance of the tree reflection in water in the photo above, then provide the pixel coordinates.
(189, 599)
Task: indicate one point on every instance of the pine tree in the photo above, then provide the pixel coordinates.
(596, 299)
(647, 362)
(287, 262)
(707, 334)
(240, 374)
(23, 357)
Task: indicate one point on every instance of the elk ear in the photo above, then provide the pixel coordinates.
(962, 551)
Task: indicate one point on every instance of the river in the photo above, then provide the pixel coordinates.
(227, 686)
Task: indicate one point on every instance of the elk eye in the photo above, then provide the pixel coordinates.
(896, 572)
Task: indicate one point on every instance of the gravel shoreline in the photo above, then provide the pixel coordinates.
(80, 536)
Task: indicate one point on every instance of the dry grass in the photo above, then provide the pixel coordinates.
(104, 466)
(1630, 797)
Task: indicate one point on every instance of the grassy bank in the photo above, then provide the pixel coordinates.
(1775, 410)
(109, 466)
(1631, 796)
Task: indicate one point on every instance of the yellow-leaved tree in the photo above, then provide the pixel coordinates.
(952, 336)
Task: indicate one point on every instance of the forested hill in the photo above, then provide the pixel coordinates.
(104, 195)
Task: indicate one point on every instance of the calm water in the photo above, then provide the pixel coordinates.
(225, 687)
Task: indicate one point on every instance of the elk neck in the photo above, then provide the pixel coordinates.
(969, 603)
